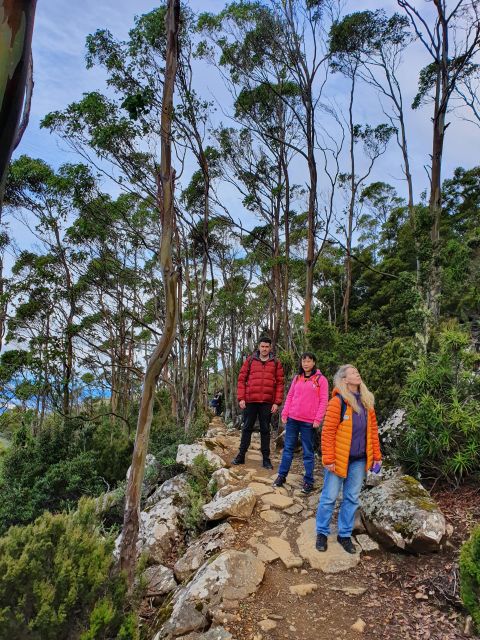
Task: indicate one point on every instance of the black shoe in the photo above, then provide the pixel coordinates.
(280, 481)
(239, 459)
(347, 544)
(307, 488)
(322, 542)
(267, 464)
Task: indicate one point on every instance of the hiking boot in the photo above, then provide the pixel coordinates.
(347, 544)
(280, 481)
(239, 459)
(307, 488)
(267, 464)
(322, 542)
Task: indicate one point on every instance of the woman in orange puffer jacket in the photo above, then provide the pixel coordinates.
(350, 447)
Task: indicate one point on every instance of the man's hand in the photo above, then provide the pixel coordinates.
(242, 404)
(274, 408)
(316, 424)
(284, 421)
(330, 467)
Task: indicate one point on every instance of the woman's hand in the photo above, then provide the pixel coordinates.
(316, 424)
(284, 421)
(330, 467)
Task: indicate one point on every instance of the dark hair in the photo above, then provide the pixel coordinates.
(307, 354)
(265, 339)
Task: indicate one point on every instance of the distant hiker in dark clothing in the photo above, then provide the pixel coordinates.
(218, 400)
(259, 393)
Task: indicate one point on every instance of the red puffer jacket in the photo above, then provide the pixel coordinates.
(261, 381)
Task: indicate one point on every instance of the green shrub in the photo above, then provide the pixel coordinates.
(54, 469)
(470, 575)
(198, 494)
(442, 400)
(57, 581)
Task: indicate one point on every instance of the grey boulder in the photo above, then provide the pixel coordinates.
(401, 513)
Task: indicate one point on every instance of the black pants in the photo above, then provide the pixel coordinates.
(264, 412)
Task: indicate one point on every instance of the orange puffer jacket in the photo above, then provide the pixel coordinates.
(337, 436)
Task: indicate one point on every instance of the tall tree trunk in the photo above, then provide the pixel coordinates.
(202, 298)
(311, 219)
(435, 200)
(160, 355)
(16, 29)
(351, 210)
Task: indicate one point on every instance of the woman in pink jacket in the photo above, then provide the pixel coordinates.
(303, 412)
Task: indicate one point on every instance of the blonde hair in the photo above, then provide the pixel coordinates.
(366, 396)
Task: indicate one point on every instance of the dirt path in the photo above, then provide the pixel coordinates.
(394, 594)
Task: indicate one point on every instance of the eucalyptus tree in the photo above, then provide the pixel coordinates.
(49, 199)
(450, 35)
(343, 45)
(166, 179)
(270, 47)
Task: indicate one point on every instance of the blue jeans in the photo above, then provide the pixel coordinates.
(292, 429)
(332, 484)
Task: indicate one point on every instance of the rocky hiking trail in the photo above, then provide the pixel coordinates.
(257, 574)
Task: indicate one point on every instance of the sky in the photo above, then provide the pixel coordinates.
(61, 77)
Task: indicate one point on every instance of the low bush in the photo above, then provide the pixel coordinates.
(198, 494)
(57, 581)
(442, 401)
(470, 575)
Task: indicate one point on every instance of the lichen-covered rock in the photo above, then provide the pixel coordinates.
(233, 575)
(238, 504)
(160, 580)
(401, 513)
(209, 543)
(160, 529)
(221, 478)
(176, 486)
(186, 454)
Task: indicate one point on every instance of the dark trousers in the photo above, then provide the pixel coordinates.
(262, 410)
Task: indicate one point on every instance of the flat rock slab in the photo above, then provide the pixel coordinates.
(303, 589)
(271, 516)
(260, 489)
(263, 480)
(277, 501)
(264, 553)
(366, 543)
(294, 509)
(238, 504)
(334, 560)
(284, 551)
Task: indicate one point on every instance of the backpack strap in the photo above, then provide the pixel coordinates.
(250, 359)
(343, 407)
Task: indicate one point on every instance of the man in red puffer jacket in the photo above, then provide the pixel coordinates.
(259, 393)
